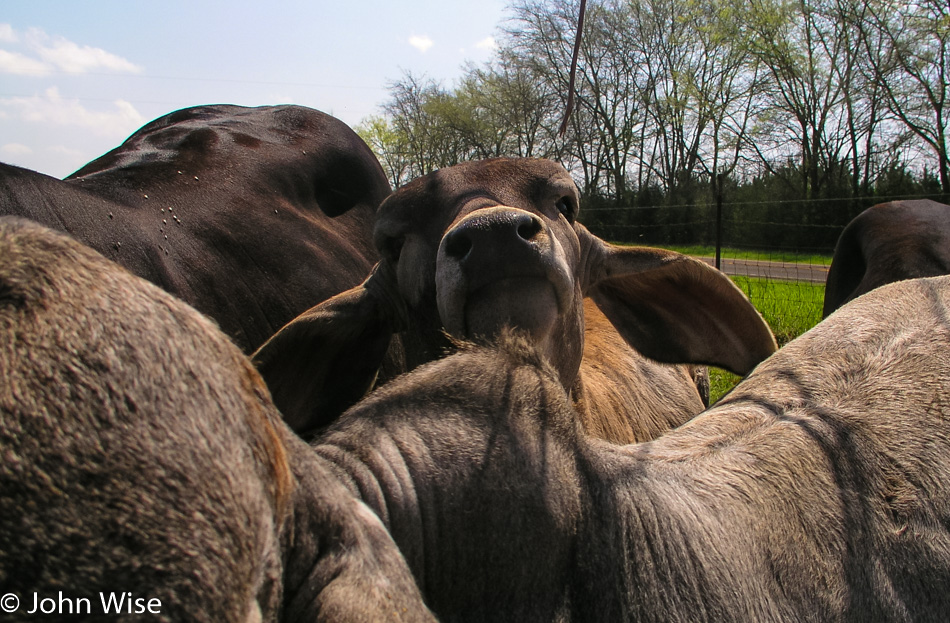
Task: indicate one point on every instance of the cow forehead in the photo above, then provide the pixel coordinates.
(435, 200)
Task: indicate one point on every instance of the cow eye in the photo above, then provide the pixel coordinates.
(565, 206)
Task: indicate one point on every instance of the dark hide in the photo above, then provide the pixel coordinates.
(886, 243)
(140, 453)
(251, 215)
(474, 248)
(818, 490)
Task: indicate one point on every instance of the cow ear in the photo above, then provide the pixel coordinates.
(326, 359)
(676, 309)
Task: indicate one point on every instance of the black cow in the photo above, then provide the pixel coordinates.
(252, 215)
(482, 245)
(886, 243)
(818, 490)
(144, 470)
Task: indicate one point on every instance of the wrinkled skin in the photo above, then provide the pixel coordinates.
(474, 248)
(140, 453)
(887, 243)
(251, 215)
(818, 489)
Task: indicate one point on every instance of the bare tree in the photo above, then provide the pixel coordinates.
(389, 146)
(810, 58)
(606, 126)
(908, 44)
(514, 104)
(421, 111)
(725, 89)
(677, 96)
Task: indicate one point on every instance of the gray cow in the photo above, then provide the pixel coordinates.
(472, 248)
(145, 472)
(886, 243)
(819, 489)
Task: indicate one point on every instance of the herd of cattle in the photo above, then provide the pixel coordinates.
(241, 380)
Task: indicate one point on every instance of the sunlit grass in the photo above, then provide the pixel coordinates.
(750, 254)
(789, 307)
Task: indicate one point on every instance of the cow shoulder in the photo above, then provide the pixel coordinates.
(613, 408)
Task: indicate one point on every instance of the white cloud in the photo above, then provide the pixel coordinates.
(15, 149)
(73, 58)
(7, 34)
(56, 160)
(43, 54)
(276, 99)
(488, 43)
(421, 43)
(20, 65)
(51, 108)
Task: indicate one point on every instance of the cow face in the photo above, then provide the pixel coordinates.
(484, 245)
(476, 247)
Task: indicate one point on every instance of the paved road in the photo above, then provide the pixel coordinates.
(783, 271)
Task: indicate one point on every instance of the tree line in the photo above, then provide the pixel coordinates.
(795, 111)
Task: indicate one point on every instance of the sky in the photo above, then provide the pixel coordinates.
(77, 77)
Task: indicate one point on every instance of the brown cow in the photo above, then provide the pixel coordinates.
(482, 245)
(818, 490)
(886, 243)
(251, 215)
(141, 460)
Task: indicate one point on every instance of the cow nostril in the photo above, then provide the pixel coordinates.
(458, 245)
(529, 229)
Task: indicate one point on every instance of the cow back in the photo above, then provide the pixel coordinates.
(886, 243)
(251, 215)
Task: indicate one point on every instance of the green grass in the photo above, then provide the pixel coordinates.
(789, 307)
(720, 382)
(747, 254)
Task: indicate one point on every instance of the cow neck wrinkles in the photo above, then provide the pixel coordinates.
(675, 544)
(374, 463)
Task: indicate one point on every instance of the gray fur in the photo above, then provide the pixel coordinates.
(818, 490)
(888, 242)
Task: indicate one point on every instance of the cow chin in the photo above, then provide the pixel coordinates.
(526, 304)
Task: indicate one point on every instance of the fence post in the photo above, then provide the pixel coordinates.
(719, 224)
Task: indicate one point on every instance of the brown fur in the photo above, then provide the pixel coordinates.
(250, 215)
(140, 452)
(663, 398)
(482, 245)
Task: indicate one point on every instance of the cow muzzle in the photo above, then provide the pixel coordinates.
(500, 267)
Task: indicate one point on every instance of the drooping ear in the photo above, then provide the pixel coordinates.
(676, 309)
(326, 359)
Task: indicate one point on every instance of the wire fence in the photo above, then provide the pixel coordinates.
(780, 263)
(777, 252)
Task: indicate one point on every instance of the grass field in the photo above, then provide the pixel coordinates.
(746, 254)
(790, 308)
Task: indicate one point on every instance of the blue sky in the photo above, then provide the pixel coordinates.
(78, 76)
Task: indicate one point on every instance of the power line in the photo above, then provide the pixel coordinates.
(218, 80)
(876, 198)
